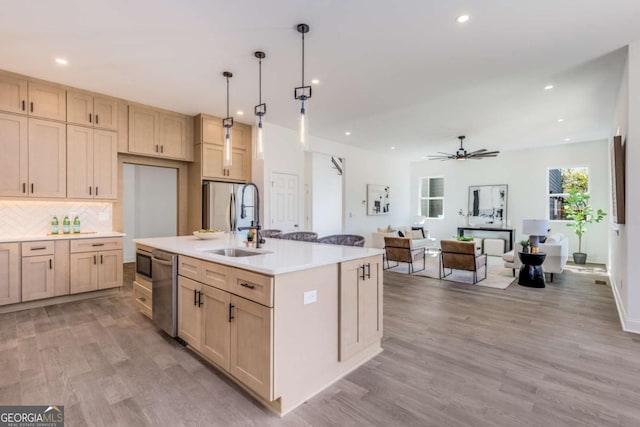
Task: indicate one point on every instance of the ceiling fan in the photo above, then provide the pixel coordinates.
(462, 154)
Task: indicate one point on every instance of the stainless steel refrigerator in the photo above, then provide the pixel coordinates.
(222, 206)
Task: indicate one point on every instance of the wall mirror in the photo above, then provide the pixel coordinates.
(377, 199)
(488, 205)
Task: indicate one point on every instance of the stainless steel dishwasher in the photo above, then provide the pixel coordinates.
(164, 279)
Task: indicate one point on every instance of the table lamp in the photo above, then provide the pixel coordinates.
(534, 228)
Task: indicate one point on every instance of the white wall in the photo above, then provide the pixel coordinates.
(525, 173)
(150, 204)
(361, 167)
(326, 196)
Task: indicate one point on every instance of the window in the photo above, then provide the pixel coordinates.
(432, 197)
(560, 181)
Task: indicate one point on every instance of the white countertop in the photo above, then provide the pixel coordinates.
(37, 237)
(279, 256)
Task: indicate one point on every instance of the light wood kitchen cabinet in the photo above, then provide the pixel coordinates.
(9, 273)
(38, 276)
(157, 133)
(92, 110)
(13, 94)
(92, 163)
(209, 151)
(360, 305)
(189, 313)
(47, 101)
(47, 159)
(251, 352)
(95, 264)
(14, 161)
(215, 331)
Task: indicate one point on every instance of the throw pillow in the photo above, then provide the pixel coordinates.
(417, 234)
(389, 228)
(400, 234)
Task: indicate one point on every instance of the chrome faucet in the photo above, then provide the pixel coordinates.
(243, 213)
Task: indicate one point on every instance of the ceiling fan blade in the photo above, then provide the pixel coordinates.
(478, 151)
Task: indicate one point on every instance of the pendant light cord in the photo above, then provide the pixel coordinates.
(302, 59)
(260, 81)
(227, 96)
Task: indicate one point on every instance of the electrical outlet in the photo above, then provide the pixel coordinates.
(310, 297)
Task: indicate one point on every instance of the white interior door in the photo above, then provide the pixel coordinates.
(284, 201)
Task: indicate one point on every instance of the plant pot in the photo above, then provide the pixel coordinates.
(579, 258)
(525, 250)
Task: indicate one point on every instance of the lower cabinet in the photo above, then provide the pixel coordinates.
(232, 332)
(91, 271)
(37, 277)
(360, 305)
(9, 273)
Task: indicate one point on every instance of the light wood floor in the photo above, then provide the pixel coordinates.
(454, 355)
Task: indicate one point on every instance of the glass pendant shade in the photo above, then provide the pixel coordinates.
(260, 141)
(303, 129)
(226, 155)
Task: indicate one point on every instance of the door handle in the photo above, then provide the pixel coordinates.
(32, 188)
(95, 260)
(156, 148)
(39, 248)
(24, 187)
(362, 267)
(101, 259)
(368, 270)
(89, 117)
(247, 285)
(195, 297)
(90, 191)
(24, 108)
(96, 119)
(31, 106)
(230, 312)
(96, 191)
(50, 264)
(162, 148)
(97, 244)
(200, 299)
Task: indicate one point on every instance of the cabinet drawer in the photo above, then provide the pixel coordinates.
(216, 275)
(143, 298)
(38, 248)
(190, 267)
(92, 245)
(253, 286)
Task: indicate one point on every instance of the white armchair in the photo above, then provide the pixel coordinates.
(557, 249)
(416, 236)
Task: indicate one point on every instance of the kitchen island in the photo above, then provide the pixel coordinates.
(284, 323)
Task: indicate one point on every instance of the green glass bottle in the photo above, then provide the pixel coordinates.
(66, 225)
(54, 225)
(76, 224)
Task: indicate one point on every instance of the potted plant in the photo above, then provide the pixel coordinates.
(580, 212)
(525, 246)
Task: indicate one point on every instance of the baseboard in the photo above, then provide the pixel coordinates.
(628, 325)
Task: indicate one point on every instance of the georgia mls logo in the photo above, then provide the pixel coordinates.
(32, 416)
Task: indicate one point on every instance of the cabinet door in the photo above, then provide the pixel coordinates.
(105, 164)
(212, 131)
(13, 94)
(80, 162)
(143, 130)
(105, 111)
(350, 341)
(10, 273)
(173, 136)
(80, 108)
(37, 277)
(47, 159)
(109, 269)
(47, 101)
(212, 162)
(215, 332)
(83, 268)
(14, 159)
(239, 165)
(252, 346)
(370, 301)
(189, 322)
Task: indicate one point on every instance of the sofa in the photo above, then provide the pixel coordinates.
(419, 238)
(556, 247)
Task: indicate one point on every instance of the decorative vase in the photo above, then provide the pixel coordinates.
(579, 258)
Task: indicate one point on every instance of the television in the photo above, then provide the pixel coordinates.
(617, 180)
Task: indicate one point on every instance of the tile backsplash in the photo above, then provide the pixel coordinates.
(19, 217)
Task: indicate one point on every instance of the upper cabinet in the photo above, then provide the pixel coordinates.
(157, 133)
(209, 151)
(47, 159)
(19, 95)
(92, 110)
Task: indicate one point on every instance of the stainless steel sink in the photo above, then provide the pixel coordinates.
(234, 252)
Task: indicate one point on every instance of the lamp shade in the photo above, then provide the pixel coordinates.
(535, 227)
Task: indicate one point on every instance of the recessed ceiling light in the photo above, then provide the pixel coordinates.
(567, 139)
(61, 61)
(393, 148)
(560, 120)
(462, 19)
(347, 133)
(240, 112)
(315, 82)
(548, 87)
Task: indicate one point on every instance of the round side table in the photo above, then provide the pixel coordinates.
(531, 273)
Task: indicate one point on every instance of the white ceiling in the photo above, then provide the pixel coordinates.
(398, 73)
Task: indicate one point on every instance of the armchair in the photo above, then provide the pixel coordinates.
(556, 247)
(401, 249)
(461, 256)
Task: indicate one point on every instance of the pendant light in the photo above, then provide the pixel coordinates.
(227, 122)
(260, 109)
(303, 93)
